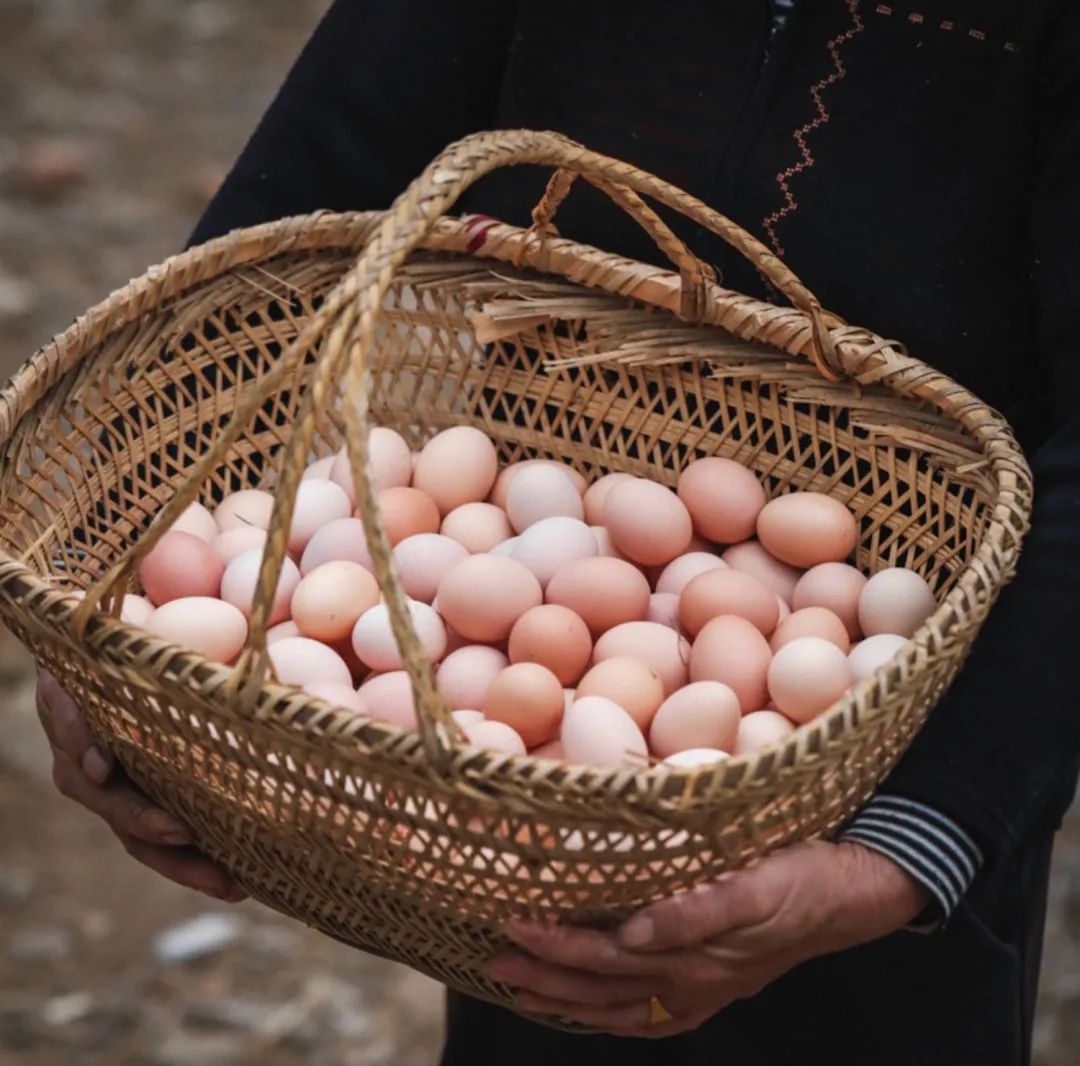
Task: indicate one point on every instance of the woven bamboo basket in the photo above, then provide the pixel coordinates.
(235, 363)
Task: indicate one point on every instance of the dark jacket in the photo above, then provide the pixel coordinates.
(919, 167)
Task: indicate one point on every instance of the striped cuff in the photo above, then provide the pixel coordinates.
(929, 846)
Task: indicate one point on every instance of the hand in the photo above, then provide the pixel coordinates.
(701, 950)
(86, 773)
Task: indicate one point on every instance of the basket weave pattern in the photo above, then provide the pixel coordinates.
(231, 365)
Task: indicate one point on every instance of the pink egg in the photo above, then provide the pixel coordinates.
(136, 610)
(751, 558)
(389, 697)
(723, 497)
(457, 466)
(836, 587)
(342, 539)
(205, 625)
(733, 651)
(327, 602)
(597, 732)
(390, 460)
(236, 541)
(811, 622)
(807, 676)
(542, 491)
(319, 469)
(681, 571)
(374, 642)
(344, 696)
(282, 631)
(648, 523)
(478, 527)
(484, 596)
(301, 661)
(596, 496)
(180, 565)
(242, 576)
(704, 714)
(496, 736)
(551, 543)
(317, 503)
(466, 717)
(501, 487)
(692, 758)
(807, 528)
(244, 509)
(505, 549)
(661, 648)
(604, 547)
(664, 609)
(196, 520)
(464, 675)
(423, 560)
(762, 729)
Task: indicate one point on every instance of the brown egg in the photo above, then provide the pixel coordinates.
(328, 601)
(180, 565)
(659, 646)
(456, 466)
(407, 512)
(723, 498)
(733, 651)
(807, 676)
(630, 683)
(751, 558)
(528, 698)
(894, 601)
(479, 527)
(648, 523)
(483, 596)
(555, 637)
(811, 622)
(596, 496)
(702, 715)
(807, 528)
(836, 587)
(727, 591)
(603, 592)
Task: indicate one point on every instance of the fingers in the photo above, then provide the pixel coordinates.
(67, 730)
(586, 949)
(626, 1018)
(572, 986)
(186, 867)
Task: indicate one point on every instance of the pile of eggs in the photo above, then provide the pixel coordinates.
(603, 624)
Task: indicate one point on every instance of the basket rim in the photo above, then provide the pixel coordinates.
(862, 353)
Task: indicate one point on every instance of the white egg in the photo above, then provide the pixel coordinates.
(551, 543)
(873, 652)
(542, 491)
(374, 642)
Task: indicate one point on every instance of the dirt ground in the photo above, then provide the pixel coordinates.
(117, 120)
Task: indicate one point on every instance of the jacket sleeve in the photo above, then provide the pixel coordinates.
(999, 754)
(377, 92)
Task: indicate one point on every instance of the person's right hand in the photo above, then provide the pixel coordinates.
(87, 774)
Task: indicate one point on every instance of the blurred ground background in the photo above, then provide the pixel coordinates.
(117, 120)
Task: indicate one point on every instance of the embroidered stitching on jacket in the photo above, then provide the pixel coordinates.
(917, 18)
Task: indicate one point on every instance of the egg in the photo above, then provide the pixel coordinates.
(180, 565)
(389, 458)
(483, 596)
(704, 714)
(423, 560)
(597, 732)
(553, 749)
(603, 592)
(648, 523)
(682, 570)
(495, 736)
(406, 512)
(727, 591)
(466, 717)
(236, 541)
(723, 497)
(659, 647)
(456, 466)
(301, 661)
(695, 757)
(554, 637)
(596, 496)
(242, 576)
(630, 683)
(136, 610)
(214, 629)
(805, 529)
(807, 676)
(603, 543)
(874, 652)
(317, 503)
(507, 474)
(479, 527)
(894, 601)
(542, 491)
(836, 587)
(196, 520)
(342, 539)
(343, 696)
(663, 608)
(244, 509)
(762, 729)
(528, 698)
(374, 642)
(548, 545)
(318, 470)
(811, 622)
(389, 697)
(783, 609)
(281, 631)
(465, 674)
(505, 549)
(733, 651)
(751, 558)
(327, 602)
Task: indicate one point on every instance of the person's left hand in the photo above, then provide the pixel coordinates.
(698, 951)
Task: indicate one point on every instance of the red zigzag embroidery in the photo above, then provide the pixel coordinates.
(838, 72)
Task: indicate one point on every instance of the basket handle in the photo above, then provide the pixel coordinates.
(345, 325)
